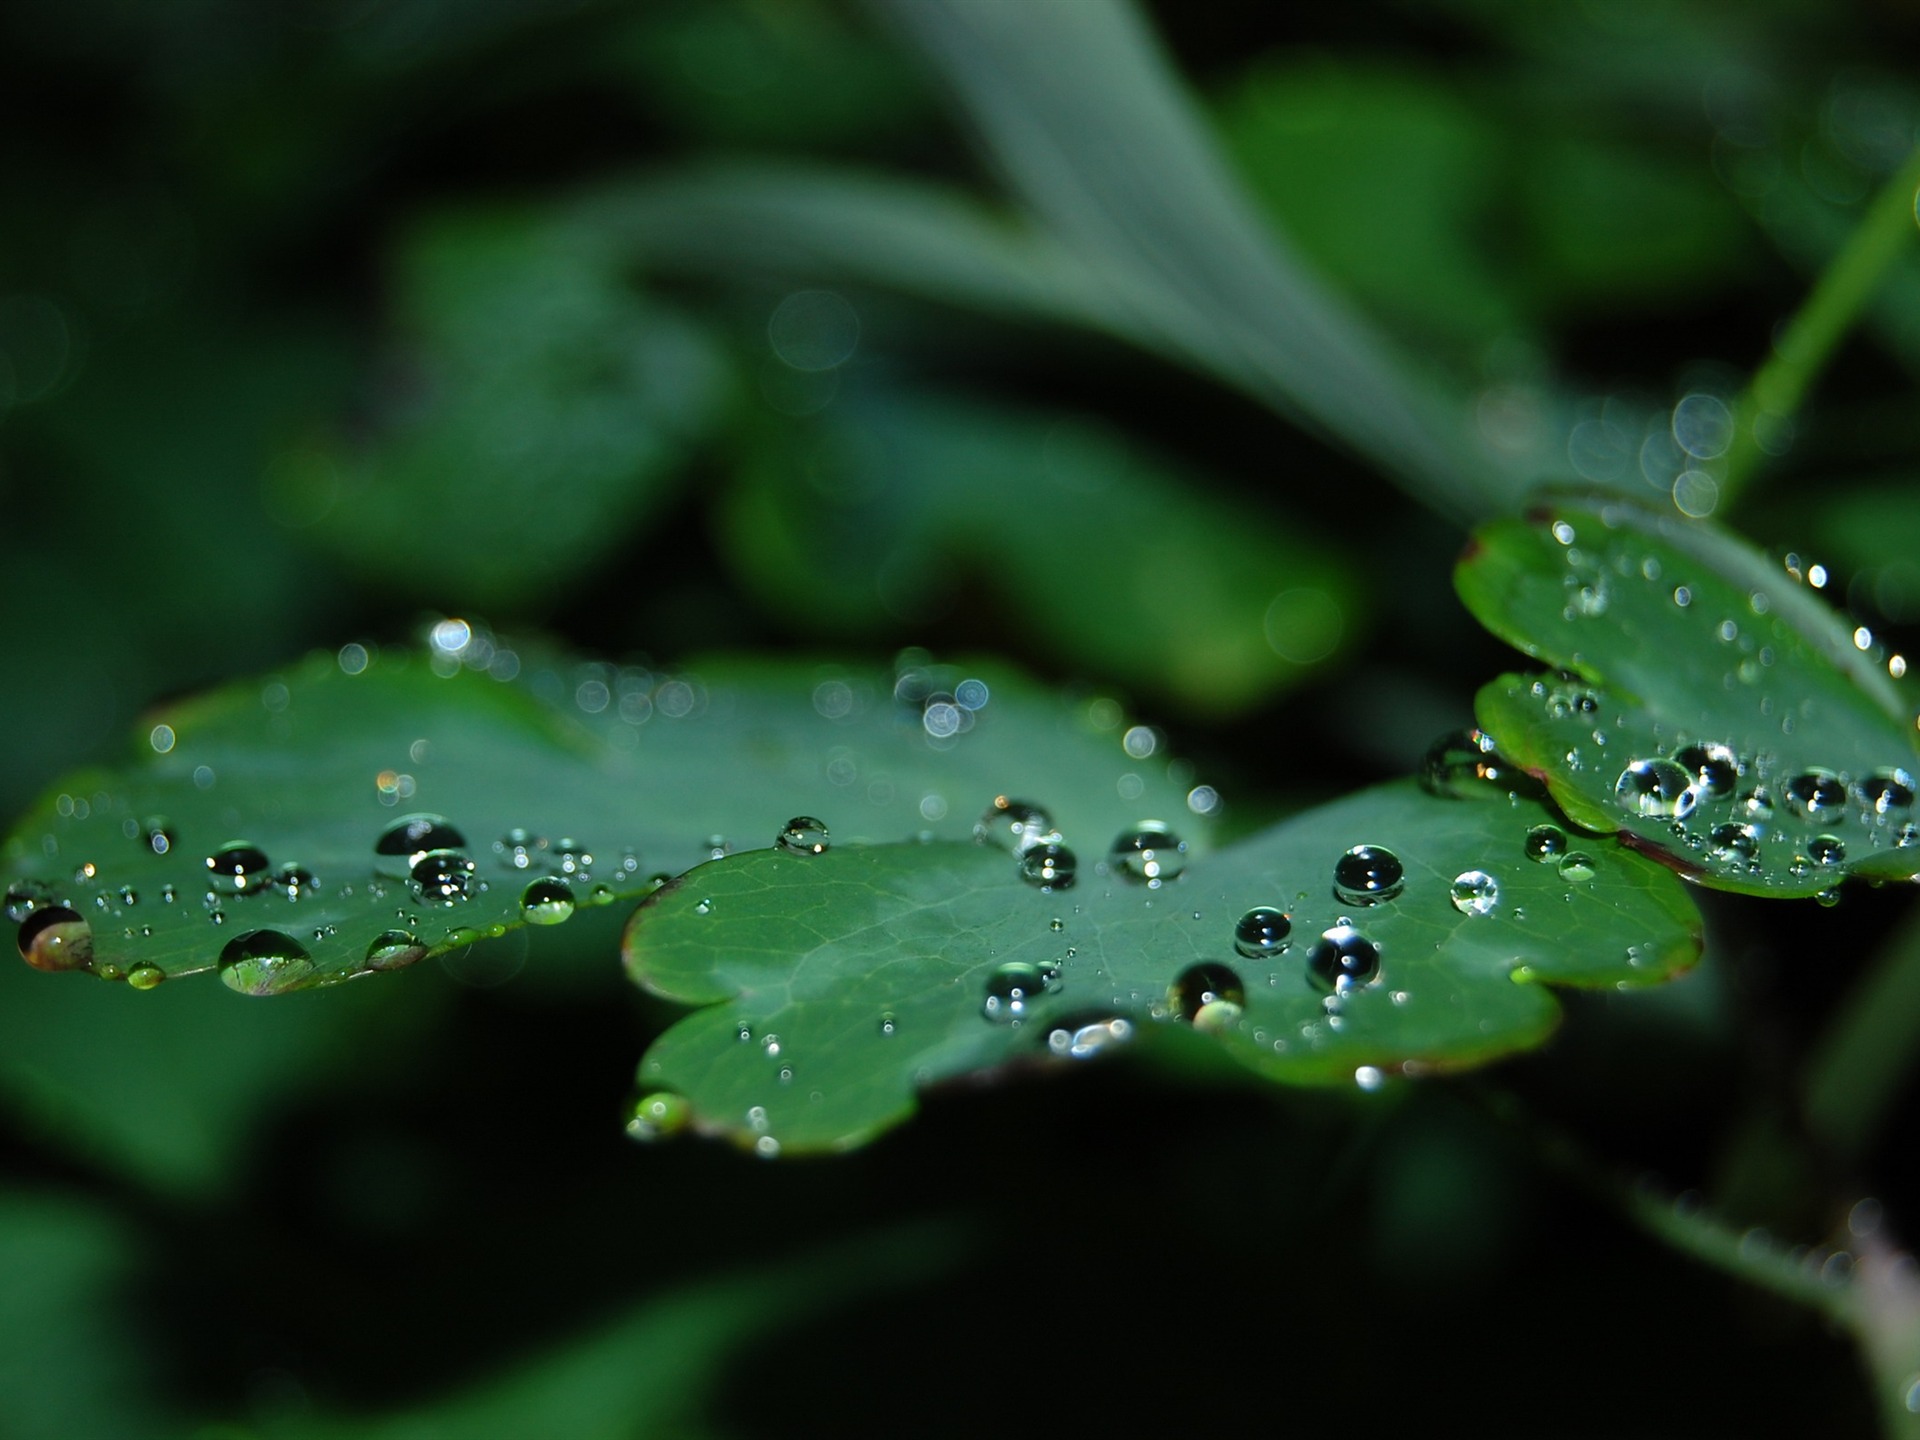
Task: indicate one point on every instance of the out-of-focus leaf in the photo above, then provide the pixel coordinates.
(1711, 706)
(357, 814)
(1113, 558)
(536, 411)
(837, 985)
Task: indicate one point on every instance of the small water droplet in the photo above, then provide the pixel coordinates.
(1015, 825)
(295, 880)
(264, 962)
(1207, 996)
(1014, 986)
(547, 901)
(157, 835)
(803, 835)
(1474, 892)
(236, 866)
(1051, 867)
(1577, 865)
(1056, 924)
(1368, 875)
(1085, 1041)
(518, 848)
(657, 1115)
(26, 896)
(55, 938)
(394, 950)
(1827, 850)
(888, 1022)
(1343, 959)
(1816, 793)
(1734, 843)
(1656, 788)
(1714, 768)
(703, 907)
(1150, 855)
(145, 977)
(1262, 932)
(1461, 765)
(1888, 790)
(1546, 842)
(441, 877)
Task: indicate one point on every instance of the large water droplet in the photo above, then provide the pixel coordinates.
(412, 836)
(1368, 875)
(1208, 995)
(657, 1115)
(1656, 787)
(1546, 842)
(56, 938)
(1816, 793)
(442, 876)
(1474, 892)
(1577, 865)
(1827, 850)
(1734, 843)
(394, 950)
(264, 962)
(1016, 825)
(1343, 959)
(804, 835)
(1051, 867)
(237, 865)
(547, 902)
(1713, 768)
(1150, 855)
(1887, 790)
(145, 976)
(1013, 988)
(1262, 932)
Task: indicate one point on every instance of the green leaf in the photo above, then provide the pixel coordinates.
(537, 409)
(890, 502)
(566, 786)
(1710, 706)
(836, 985)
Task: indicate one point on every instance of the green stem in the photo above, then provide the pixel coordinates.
(1848, 282)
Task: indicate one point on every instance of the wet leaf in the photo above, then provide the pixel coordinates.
(1708, 703)
(358, 812)
(835, 986)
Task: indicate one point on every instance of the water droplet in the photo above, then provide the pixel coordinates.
(1460, 765)
(657, 1115)
(1207, 996)
(1150, 855)
(55, 938)
(1051, 867)
(1827, 850)
(1056, 924)
(547, 902)
(145, 977)
(441, 877)
(1713, 767)
(1368, 875)
(1656, 787)
(394, 950)
(1757, 803)
(888, 1022)
(296, 880)
(264, 962)
(1735, 843)
(703, 907)
(412, 836)
(1015, 825)
(517, 848)
(26, 896)
(1474, 892)
(1887, 790)
(1343, 959)
(1577, 865)
(1816, 793)
(1014, 986)
(157, 835)
(1546, 842)
(804, 835)
(1262, 932)
(236, 866)
(1083, 1042)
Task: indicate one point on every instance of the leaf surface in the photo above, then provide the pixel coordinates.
(834, 986)
(1709, 704)
(419, 804)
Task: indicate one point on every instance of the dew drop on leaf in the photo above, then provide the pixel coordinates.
(1816, 793)
(1827, 850)
(1757, 803)
(657, 1115)
(1713, 767)
(803, 835)
(1051, 867)
(441, 877)
(295, 880)
(236, 865)
(1459, 765)
(1368, 875)
(1207, 996)
(1085, 1041)
(1342, 959)
(1887, 790)
(1150, 855)
(26, 896)
(1576, 865)
(1656, 787)
(157, 835)
(547, 901)
(264, 962)
(1474, 892)
(55, 938)
(1735, 843)
(1015, 825)
(1546, 842)
(412, 836)
(1262, 932)
(145, 977)
(1014, 986)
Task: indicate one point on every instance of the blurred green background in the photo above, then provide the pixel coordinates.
(324, 316)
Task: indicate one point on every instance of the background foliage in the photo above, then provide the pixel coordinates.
(322, 320)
